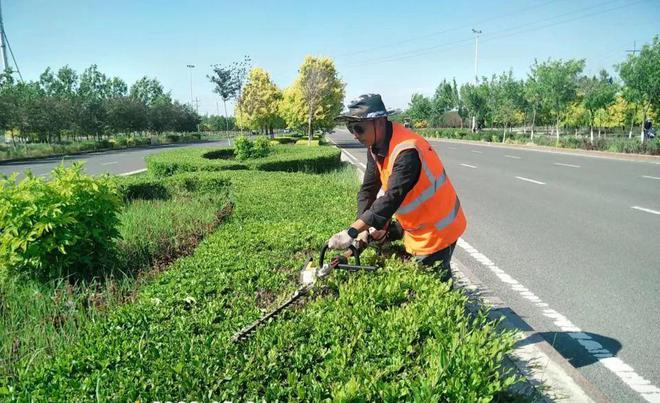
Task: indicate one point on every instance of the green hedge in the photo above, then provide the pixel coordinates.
(397, 334)
(67, 225)
(285, 158)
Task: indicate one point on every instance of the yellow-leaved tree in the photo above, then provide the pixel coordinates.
(315, 98)
(258, 105)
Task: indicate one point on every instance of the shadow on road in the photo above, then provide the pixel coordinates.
(579, 351)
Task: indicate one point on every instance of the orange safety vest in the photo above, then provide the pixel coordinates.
(430, 214)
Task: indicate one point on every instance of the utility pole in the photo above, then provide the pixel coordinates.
(3, 41)
(476, 70)
(191, 66)
(632, 120)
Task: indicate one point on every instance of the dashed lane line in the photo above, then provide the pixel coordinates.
(469, 166)
(647, 210)
(515, 157)
(478, 152)
(566, 165)
(110, 163)
(650, 177)
(530, 180)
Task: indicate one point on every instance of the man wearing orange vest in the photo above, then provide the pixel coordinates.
(416, 189)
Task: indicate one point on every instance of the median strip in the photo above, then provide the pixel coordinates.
(646, 210)
(530, 180)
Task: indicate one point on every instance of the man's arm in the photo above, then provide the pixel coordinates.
(370, 186)
(403, 178)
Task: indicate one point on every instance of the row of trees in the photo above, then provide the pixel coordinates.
(311, 103)
(65, 104)
(555, 93)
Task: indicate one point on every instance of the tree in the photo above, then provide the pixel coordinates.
(315, 97)
(126, 114)
(420, 110)
(444, 100)
(258, 105)
(147, 90)
(506, 101)
(475, 99)
(228, 81)
(558, 83)
(598, 93)
(641, 75)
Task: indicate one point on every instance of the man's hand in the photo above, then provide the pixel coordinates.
(340, 240)
(377, 235)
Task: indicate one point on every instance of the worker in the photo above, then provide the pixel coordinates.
(414, 185)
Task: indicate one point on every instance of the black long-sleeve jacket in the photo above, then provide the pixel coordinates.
(404, 176)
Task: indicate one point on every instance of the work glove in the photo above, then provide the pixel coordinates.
(377, 235)
(340, 240)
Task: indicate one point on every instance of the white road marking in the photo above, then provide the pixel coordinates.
(650, 177)
(622, 370)
(469, 166)
(530, 180)
(478, 152)
(133, 172)
(515, 157)
(452, 148)
(648, 210)
(110, 163)
(567, 165)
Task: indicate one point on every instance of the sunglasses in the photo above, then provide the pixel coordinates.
(356, 128)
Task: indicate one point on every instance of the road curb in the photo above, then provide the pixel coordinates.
(655, 159)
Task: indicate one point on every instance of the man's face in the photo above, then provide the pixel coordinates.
(363, 131)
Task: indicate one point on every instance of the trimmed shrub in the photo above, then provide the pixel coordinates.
(143, 187)
(260, 147)
(65, 226)
(285, 140)
(288, 158)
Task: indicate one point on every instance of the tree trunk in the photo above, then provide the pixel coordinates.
(533, 123)
(592, 133)
(226, 117)
(642, 125)
(309, 130)
(504, 136)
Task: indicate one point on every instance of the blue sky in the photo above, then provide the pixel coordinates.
(393, 48)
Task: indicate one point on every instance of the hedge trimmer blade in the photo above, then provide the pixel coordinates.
(308, 277)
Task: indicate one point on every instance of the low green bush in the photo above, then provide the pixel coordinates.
(285, 157)
(285, 140)
(64, 226)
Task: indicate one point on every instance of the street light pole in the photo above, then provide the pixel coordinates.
(476, 71)
(191, 66)
(3, 46)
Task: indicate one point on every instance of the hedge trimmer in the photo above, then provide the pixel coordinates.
(309, 275)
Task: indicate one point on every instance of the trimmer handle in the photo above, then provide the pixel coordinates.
(352, 248)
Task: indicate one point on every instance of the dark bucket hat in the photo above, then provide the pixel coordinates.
(364, 107)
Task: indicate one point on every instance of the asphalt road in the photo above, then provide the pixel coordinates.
(570, 243)
(115, 162)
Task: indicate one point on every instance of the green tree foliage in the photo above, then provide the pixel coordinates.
(475, 98)
(315, 98)
(597, 93)
(64, 104)
(506, 101)
(641, 75)
(228, 81)
(558, 82)
(258, 106)
(420, 110)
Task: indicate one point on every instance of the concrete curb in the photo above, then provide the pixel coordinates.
(549, 377)
(556, 150)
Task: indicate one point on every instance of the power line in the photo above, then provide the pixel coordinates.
(498, 34)
(456, 28)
